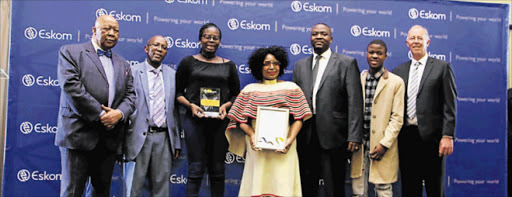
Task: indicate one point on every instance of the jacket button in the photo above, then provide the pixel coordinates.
(375, 102)
(373, 131)
(374, 116)
(144, 133)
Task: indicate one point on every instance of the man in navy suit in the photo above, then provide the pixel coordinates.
(153, 136)
(97, 97)
(429, 119)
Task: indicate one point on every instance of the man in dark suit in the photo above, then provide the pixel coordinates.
(429, 126)
(97, 97)
(153, 138)
(332, 86)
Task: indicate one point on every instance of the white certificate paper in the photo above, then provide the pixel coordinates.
(272, 125)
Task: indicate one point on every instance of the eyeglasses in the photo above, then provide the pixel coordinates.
(209, 37)
(156, 45)
(275, 63)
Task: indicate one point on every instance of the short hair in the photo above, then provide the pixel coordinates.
(206, 26)
(330, 30)
(257, 57)
(426, 35)
(379, 42)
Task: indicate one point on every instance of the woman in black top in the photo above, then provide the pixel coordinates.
(206, 83)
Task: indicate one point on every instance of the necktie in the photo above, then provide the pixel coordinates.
(412, 93)
(158, 100)
(315, 69)
(105, 53)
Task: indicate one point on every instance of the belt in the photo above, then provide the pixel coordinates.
(157, 129)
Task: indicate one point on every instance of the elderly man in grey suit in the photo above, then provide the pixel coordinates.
(97, 97)
(153, 138)
(331, 83)
(429, 126)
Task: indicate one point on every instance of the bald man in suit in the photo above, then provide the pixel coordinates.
(153, 137)
(97, 97)
(429, 119)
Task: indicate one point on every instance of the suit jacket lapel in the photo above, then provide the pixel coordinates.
(363, 84)
(406, 74)
(328, 68)
(91, 53)
(143, 77)
(426, 72)
(381, 84)
(118, 72)
(167, 87)
(308, 75)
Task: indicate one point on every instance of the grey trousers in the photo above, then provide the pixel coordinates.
(153, 162)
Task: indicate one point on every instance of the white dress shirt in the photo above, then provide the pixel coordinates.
(322, 63)
(421, 68)
(151, 82)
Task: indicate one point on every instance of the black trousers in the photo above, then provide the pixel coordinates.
(206, 148)
(316, 162)
(420, 162)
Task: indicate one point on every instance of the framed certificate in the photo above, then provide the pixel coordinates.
(272, 125)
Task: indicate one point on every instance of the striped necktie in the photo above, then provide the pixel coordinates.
(412, 93)
(158, 100)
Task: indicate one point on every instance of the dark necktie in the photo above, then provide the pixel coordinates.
(315, 69)
(105, 53)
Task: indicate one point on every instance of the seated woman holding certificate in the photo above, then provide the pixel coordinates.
(270, 114)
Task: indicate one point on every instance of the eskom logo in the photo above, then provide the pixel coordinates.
(29, 80)
(356, 31)
(25, 175)
(297, 6)
(230, 158)
(26, 127)
(234, 24)
(32, 33)
(121, 16)
(170, 41)
(182, 43)
(415, 13)
(296, 49)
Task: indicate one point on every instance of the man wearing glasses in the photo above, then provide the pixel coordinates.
(152, 137)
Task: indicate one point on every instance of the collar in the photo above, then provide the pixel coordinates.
(150, 68)
(326, 54)
(423, 60)
(378, 74)
(96, 46)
